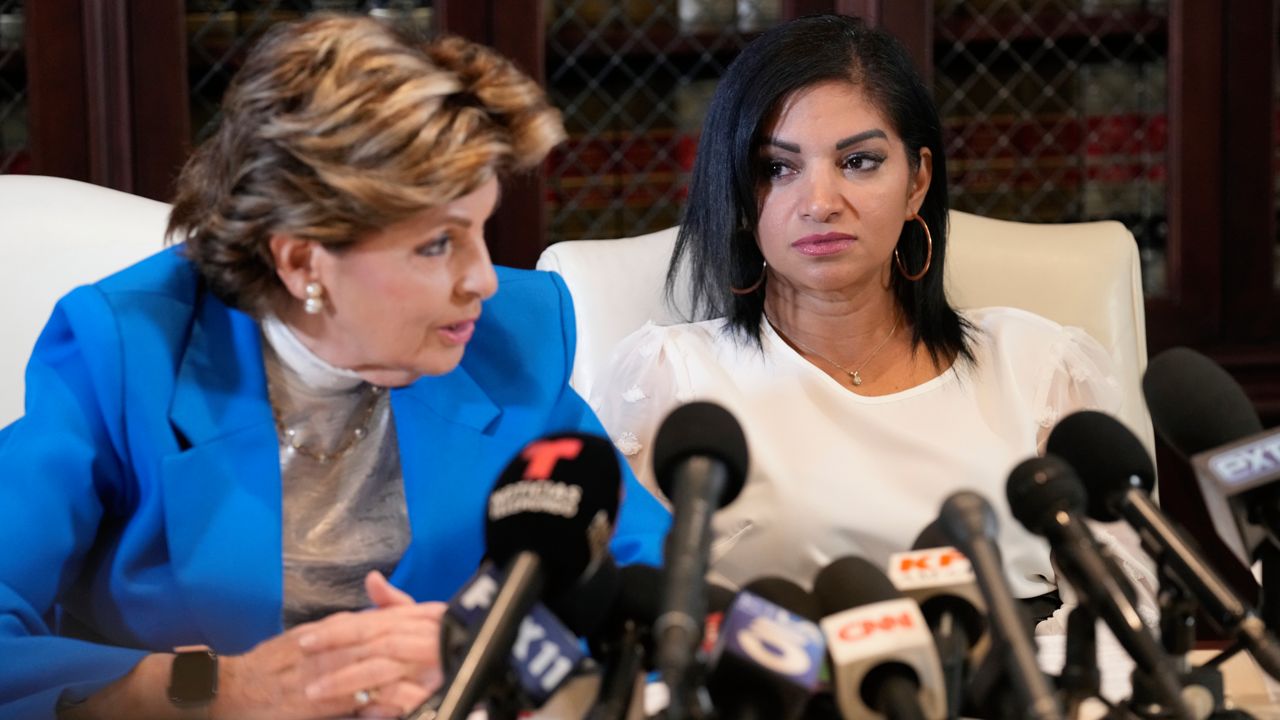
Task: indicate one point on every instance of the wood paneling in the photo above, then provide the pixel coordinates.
(1249, 309)
(106, 51)
(158, 81)
(59, 126)
(1195, 172)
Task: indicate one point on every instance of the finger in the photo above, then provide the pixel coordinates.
(396, 700)
(344, 682)
(383, 593)
(414, 646)
(431, 679)
(433, 609)
(341, 629)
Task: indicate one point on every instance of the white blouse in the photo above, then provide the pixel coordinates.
(833, 473)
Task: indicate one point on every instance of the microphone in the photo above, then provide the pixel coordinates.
(1118, 475)
(968, 520)
(769, 655)
(786, 595)
(622, 646)
(550, 516)
(941, 581)
(1046, 497)
(625, 644)
(545, 651)
(883, 662)
(1204, 414)
(700, 460)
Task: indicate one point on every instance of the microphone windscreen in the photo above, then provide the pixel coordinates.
(786, 595)
(932, 536)
(1041, 487)
(851, 582)
(965, 518)
(1195, 405)
(640, 594)
(587, 605)
(558, 498)
(1107, 457)
(701, 429)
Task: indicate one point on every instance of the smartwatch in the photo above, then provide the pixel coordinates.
(193, 678)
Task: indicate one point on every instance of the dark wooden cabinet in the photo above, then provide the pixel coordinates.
(1215, 242)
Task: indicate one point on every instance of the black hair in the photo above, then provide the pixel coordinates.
(716, 237)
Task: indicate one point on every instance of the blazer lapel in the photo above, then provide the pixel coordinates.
(443, 427)
(222, 494)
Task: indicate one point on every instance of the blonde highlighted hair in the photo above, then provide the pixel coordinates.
(340, 125)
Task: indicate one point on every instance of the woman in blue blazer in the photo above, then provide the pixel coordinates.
(233, 441)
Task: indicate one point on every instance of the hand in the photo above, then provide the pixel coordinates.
(391, 651)
(314, 670)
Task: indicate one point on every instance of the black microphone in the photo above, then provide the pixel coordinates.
(968, 520)
(770, 653)
(787, 595)
(700, 460)
(940, 579)
(1047, 497)
(542, 659)
(1204, 414)
(883, 662)
(550, 517)
(1118, 475)
(624, 643)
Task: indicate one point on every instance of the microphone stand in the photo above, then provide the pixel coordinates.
(504, 705)
(1178, 608)
(1080, 678)
(1177, 637)
(690, 701)
(990, 693)
(1269, 593)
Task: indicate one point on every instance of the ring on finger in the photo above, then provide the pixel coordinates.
(364, 696)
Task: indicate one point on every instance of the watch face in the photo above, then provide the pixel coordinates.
(194, 678)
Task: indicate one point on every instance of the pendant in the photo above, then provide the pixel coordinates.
(855, 377)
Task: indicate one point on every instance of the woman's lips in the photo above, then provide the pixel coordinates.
(828, 244)
(458, 333)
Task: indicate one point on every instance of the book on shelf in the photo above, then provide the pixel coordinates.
(1125, 140)
(624, 169)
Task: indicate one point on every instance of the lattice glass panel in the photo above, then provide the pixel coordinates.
(15, 156)
(1055, 111)
(219, 32)
(634, 78)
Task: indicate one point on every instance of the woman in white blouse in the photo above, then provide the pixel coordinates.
(816, 234)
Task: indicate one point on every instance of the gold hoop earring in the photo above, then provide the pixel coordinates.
(928, 255)
(764, 265)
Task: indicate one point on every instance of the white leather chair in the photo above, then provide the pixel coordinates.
(1081, 274)
(56, 234)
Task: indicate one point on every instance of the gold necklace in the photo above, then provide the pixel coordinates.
(855, 375)
(373, 396)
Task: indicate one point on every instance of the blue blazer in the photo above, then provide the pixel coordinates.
(140, 493)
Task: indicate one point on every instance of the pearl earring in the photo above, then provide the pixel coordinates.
(314, 304)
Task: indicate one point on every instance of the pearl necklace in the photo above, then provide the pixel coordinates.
(291, 438)
(855, 375)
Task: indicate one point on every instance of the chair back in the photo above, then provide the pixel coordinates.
(58, 234)
(1080, 274)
